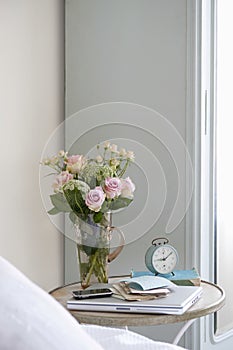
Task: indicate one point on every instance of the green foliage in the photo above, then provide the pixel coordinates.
(94, 174)
(96, 265)
(105, 207)
(119, 203)
(73, 217)
(88, 249)
(97, 217)
(60, 204)
(76, 202)
(54, 211)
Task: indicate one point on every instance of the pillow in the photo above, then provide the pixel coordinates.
(30, 319)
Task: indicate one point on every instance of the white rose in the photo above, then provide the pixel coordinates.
(128, 188)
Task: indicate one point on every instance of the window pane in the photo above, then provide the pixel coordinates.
(224, 160)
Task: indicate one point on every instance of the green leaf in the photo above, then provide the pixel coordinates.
(73, 217)
(54, 211)
(120, 203)
(98, 217)
(105, 207)
(60, 202)
(76, 201)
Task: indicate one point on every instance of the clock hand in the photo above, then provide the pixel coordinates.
(167, 256)
(163, 259)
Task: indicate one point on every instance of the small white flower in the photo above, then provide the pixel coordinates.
(106, 144)
(46, 161)
(122, 152)
(69, 185)
(82, 187)
(54, 160)
(113, 148)
(99, 159)
(61, 153)
(130, 155)
(114, 162)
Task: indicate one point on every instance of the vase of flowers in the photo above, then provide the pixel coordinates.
(90, 189)
(93, 249)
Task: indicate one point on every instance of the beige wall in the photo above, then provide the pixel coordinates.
(31, 89)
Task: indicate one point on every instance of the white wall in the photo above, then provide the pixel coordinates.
(31, 90)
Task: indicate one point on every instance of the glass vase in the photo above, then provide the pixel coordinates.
(93, 249)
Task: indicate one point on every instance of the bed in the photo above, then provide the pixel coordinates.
(31, 319)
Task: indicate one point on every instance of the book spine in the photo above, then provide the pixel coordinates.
(191, 282)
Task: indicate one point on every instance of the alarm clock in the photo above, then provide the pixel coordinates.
(161, 257)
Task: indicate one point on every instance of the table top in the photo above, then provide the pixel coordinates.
(212, 299)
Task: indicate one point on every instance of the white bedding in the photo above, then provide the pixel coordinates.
(31, 319)
(115, 339)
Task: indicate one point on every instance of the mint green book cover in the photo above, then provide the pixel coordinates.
(179, 277)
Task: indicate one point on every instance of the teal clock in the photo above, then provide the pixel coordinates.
(161, 257)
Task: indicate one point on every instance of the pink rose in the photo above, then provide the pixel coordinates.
(95, 198)
(128, 188)
(112, 187)
(75, 163)
(61, 179)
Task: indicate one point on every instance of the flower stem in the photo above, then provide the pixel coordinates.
(124, 169)
(91, 268)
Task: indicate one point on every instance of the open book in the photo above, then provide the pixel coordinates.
(142, 288)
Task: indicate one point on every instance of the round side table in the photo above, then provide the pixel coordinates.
(212, 299)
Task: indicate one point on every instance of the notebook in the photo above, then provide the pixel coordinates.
(179, 300)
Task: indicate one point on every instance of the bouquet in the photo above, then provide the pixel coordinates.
(95, 186)
(89, 189)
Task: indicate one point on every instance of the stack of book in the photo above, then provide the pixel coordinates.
(179, 277)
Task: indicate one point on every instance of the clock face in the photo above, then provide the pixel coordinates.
(164, 259)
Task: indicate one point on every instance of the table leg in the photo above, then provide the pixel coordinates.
(182, 331)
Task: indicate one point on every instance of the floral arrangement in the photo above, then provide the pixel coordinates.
(95, 186)
(90, 189)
